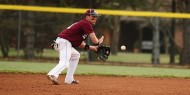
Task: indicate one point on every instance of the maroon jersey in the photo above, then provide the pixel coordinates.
(77, 32)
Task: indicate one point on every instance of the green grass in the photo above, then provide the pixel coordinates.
(39, 67)
(121, 57)
(139, 58)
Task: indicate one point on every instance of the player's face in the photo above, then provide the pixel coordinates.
(92, 19)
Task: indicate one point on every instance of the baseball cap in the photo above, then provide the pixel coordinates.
(91, 12)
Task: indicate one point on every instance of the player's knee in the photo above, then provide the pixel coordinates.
(76, 56)
(63, 64)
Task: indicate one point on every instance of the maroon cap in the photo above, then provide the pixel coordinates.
(91, 12)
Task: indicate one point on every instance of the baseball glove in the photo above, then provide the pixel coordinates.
(103, 52)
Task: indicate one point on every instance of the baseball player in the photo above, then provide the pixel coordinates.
(74, 36)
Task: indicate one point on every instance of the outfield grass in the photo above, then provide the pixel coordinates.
(121, 57)
(139, 58)
(37, 67)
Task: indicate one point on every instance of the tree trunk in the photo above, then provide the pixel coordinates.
(3, 40)
(29, 49)
(185, 54)
(92, 56)
(4, 44)
(116, 30)
(172, 46)
(30, 35)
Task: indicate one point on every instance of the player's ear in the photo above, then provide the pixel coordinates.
(87, 17)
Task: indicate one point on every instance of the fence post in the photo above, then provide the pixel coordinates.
(19, 30)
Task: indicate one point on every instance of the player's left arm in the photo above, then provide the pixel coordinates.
(102, 51)
(88, 47)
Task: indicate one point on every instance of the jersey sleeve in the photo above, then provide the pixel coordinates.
(87, 27)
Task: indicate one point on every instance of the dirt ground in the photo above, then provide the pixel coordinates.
(37, 84)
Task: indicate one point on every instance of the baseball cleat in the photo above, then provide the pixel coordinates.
(75, 82)
(53, 79)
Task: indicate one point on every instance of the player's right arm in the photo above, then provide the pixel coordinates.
(87, 28)
(95, 40)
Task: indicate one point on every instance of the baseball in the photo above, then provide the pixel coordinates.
(123, 47)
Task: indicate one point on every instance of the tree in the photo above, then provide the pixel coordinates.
(4, 43)
(113, 22)
(30, 34)
(185, 53)
(7, 34)
(3, 40)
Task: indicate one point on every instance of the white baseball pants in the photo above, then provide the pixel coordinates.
(68, 58)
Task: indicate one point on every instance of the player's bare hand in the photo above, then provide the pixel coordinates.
(101, 40)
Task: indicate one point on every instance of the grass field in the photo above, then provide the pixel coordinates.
(121, 57)
(83, 69)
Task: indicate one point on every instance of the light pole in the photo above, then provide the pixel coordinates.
(19, 31)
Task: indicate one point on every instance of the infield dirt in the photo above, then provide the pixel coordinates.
(37, 84)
